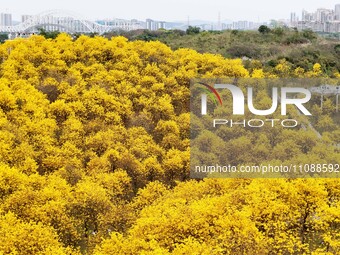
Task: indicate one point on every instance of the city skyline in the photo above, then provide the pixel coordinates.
(261, 10)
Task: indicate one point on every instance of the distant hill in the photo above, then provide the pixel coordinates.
(184, 24)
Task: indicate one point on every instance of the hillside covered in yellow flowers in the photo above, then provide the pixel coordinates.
(94, 158)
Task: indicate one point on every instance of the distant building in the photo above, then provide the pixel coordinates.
(150, 24)
(122, 23)
(161, 24)
(293, 17)
(306, 16)
(322, 20)
(154, 25)
(25, 17)
(324, 15)
(5, 19)
(337, 12)
(243, 25)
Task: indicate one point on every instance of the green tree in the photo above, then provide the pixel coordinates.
(263, 29)
(48, 34)
(193, 30)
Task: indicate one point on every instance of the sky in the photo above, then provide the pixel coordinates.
(174, 10)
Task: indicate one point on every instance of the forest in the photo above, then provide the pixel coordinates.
(264, 49)
(95, 154)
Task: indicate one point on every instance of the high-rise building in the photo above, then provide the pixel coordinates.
(337, 12)
(241, 25)
(293, 18)
(150, 24)
(161, 25)
(322, 20)
(308, 16)
(25, 17)
(304, 15)
(5, 19)
(324, 15)
(154, 25)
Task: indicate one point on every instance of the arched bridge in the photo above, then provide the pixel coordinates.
(67, 22)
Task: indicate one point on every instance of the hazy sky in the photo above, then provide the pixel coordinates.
(167, 10)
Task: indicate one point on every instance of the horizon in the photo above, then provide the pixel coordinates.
(241, 10)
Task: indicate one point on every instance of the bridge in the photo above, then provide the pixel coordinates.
(59, 20)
